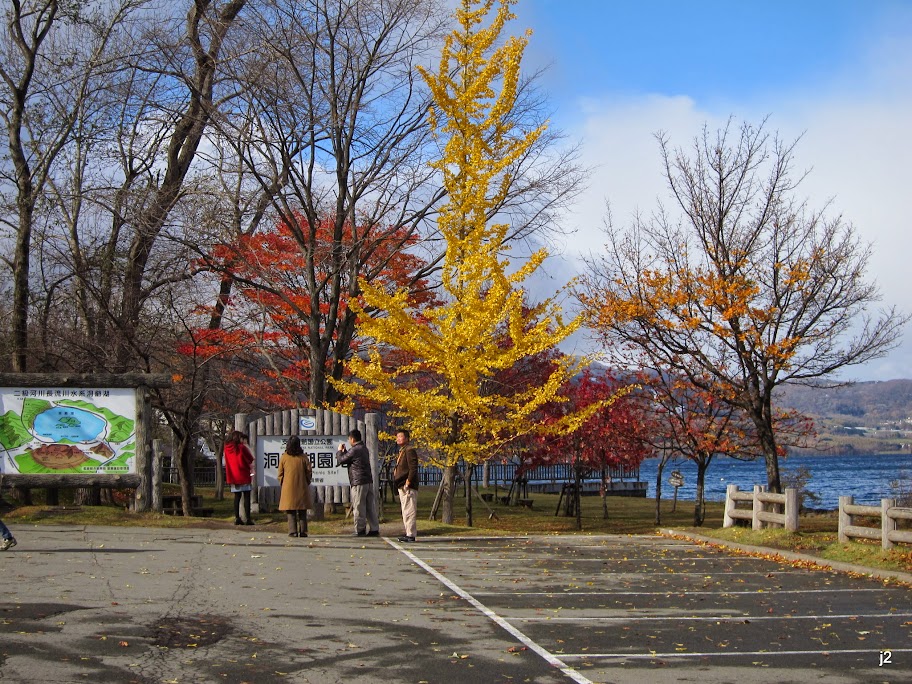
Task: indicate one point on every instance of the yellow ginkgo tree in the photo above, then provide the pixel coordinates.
(443, 386)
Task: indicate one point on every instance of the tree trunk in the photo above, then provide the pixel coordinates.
(185, 473)
(21, 271)
(577, 495)
(23, 495)
(662, 462)
(88, 496)
(220, 476)
(699, 501)
(449, 492)
(767, 438)
(469, 469)
(604, 496)
(437, 498)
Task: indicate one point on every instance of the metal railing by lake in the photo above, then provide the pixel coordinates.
(504, 474)
(499, 475)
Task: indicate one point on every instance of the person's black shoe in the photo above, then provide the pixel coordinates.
(360, 534)
(238, 521)
(292, 534)
(373, 533)
(406, 539)
(250, 522)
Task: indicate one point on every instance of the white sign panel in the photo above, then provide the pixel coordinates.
(321, 449)
(67, 430)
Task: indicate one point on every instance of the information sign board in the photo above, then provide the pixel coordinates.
(320, 449)
(66, 430)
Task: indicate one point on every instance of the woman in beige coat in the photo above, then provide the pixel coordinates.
(295, 475)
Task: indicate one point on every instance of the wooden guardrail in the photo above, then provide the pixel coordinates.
(760, 510)
(889, 514)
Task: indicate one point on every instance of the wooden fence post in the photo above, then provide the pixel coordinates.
(791, 509)
(326, 496)
(845, 520)
(730, 491)
(887, 524)
(756, 523)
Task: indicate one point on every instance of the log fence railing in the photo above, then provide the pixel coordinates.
(287, 423)
(889, 513)
(761, 508)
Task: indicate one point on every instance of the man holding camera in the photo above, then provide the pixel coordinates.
(364, 503)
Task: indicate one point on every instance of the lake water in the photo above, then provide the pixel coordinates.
(64, 423)
(867, 478)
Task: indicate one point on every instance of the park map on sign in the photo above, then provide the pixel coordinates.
(67, 431)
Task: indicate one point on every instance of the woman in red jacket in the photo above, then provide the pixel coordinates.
(238, 471)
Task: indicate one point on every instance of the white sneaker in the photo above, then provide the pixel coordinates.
(7, 544)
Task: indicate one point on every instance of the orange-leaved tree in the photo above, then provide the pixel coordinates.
(746, 290)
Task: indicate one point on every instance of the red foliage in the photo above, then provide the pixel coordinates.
(292, 287)
(616, 436)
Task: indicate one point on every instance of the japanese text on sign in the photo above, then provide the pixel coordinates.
(320, 450)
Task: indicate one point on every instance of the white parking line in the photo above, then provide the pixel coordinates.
(712, 654)
(555, 559)
(707, 618)
(669, 571)
(680, 592)
(549, 658)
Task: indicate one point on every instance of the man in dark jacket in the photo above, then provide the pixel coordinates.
(405, 477)
(361, 478)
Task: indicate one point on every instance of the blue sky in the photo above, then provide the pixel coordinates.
(709, 49)
(838, 73)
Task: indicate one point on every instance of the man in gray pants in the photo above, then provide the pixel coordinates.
(364, 503)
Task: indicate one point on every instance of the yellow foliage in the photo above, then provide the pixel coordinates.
(452, 352)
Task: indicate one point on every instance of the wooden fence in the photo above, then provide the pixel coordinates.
(889, 514)
(760, 509)
(326, 423)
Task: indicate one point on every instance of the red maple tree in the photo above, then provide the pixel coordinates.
(290, 306)
(616, 437)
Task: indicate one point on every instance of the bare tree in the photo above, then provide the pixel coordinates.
(748, 289)
(235, 206)
(126, 159)
(53, 57)
(193, 63)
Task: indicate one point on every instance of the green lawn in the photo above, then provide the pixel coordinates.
(626, 515)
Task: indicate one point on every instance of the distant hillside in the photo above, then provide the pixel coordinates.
(866, 417)
(863, 404)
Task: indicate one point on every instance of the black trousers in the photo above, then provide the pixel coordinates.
(237, 505)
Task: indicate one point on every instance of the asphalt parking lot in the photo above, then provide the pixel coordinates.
(179, 606)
